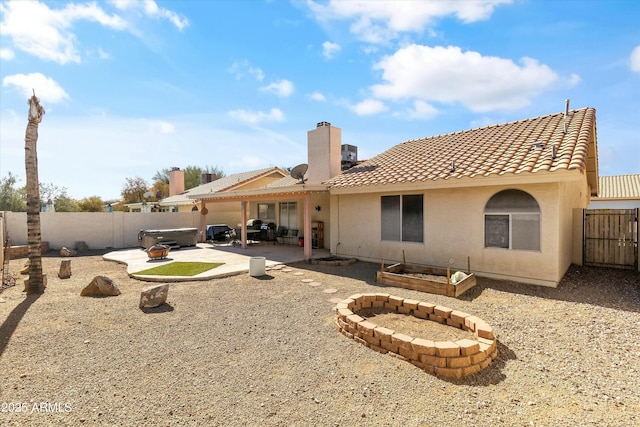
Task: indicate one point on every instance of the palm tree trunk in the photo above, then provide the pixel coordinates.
(35, 284)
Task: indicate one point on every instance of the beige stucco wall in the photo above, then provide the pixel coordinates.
(454, 229)
(98, 230)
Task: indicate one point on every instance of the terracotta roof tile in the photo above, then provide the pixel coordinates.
(493, 150)
(619, 187)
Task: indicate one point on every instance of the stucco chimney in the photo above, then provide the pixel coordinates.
(324, 152)
(176, 182)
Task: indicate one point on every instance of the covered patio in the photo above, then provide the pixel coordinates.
(309, 197)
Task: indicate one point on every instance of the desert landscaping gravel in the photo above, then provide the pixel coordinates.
(245, 351)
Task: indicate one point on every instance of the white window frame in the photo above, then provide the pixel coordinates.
(511, 217)
(385, 236)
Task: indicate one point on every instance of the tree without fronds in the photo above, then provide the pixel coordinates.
(35, 284)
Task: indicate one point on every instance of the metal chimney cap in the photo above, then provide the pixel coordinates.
(321, 124)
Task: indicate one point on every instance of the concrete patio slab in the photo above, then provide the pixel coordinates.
(235, 259)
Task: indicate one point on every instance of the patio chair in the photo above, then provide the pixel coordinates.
(281, 232)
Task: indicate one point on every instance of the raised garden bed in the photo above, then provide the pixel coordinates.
(426, 279)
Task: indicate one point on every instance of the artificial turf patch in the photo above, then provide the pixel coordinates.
(178, 268)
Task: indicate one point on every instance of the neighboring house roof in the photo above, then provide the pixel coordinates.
(489, 151)
(226, 183)
(287, 181)
(619, 187)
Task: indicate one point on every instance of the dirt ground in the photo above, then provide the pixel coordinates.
(264, 351)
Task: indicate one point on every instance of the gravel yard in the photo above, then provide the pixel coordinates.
(245, 351)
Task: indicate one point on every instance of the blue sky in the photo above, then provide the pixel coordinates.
(133, 87)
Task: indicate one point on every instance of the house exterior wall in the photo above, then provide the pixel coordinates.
(317, 199)
(223, 213)
(454, 229)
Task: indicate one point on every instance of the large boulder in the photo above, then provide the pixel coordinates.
(153, 296)
(66, 252)
(81, 247)
(100, 285)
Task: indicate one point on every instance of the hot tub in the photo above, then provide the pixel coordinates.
(171, 237)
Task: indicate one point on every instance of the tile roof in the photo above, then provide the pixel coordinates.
(492, 150)
(619, 187)
(226, 183)
(287, 181)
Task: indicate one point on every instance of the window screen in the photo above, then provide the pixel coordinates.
(402, 218)
(512, 221)
(267, 211)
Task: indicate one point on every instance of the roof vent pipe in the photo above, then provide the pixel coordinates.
(566, 116)
(453, 165)
(553, 152)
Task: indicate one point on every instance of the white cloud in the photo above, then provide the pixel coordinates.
(574, 80)
(257, 117)
(7, 54)
(634, 59)
(448, 75)
(329, 49)
(317, 96)
(257, 73)
(162, 127)
(422, 110)
(380, 21)
(240, 68)
(282, 88)
(47, 89)
(34, 28)
(369, 107)
(151, 9)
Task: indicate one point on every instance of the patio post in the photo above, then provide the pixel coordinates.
(243, 225)
(203, 221)
(307, 226)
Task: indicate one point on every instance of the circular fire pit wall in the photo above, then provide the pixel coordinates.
(447, 359)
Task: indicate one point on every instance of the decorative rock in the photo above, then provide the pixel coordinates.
(25, 269)
(100, 285)
(65, 269)
(153, 296)
(67, 252)
(330, 291)
(81, 246)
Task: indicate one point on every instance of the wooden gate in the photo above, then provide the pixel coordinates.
(611, 238)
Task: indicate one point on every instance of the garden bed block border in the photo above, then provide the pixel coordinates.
(447, 359)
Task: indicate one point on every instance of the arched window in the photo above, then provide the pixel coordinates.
(512, 221)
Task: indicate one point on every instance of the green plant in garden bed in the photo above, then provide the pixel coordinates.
(180, 269)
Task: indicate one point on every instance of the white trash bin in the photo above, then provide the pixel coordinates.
(256, 266)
